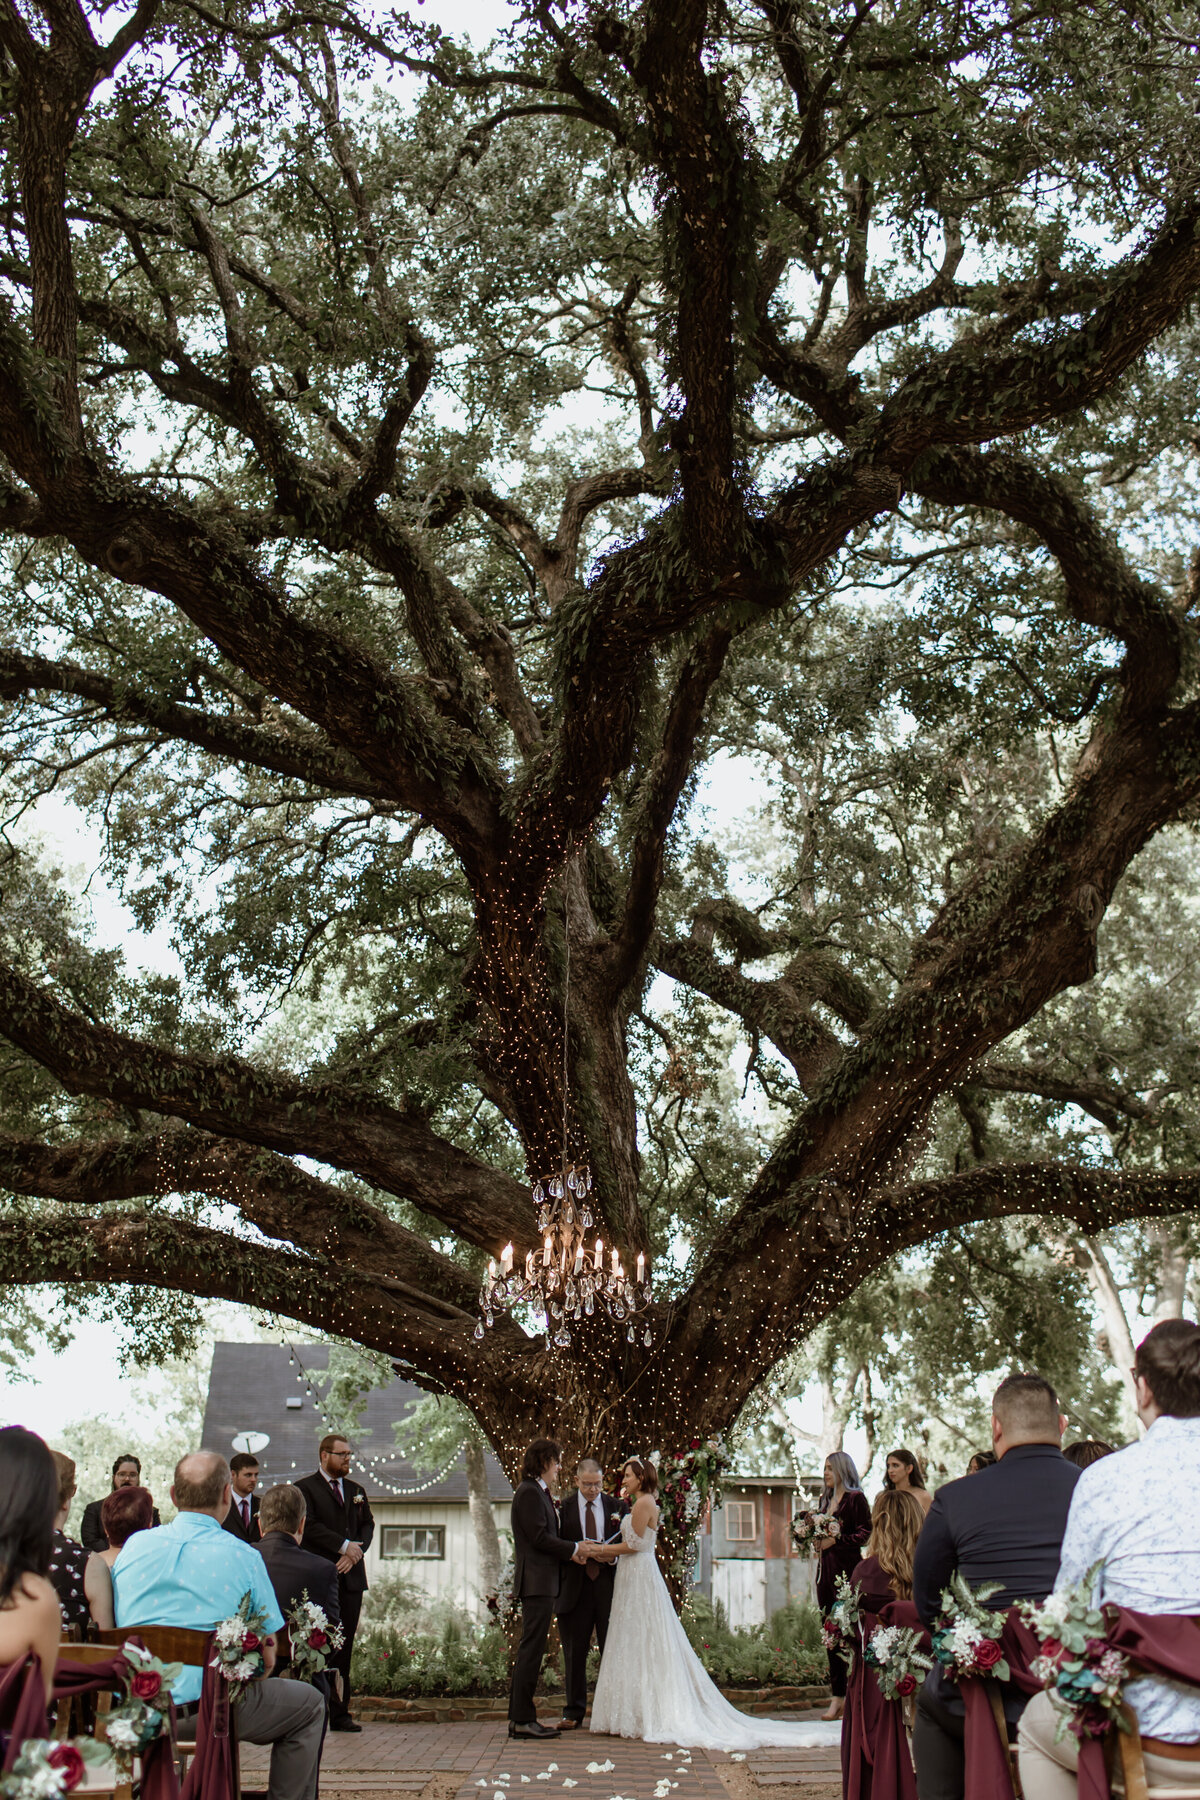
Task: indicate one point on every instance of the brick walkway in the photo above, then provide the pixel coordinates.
(405, 1760)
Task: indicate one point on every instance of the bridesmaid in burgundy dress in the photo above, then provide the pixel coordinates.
(841, 1555)
(876, 1762)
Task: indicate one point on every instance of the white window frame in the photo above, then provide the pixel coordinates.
(736, 1510)
(391, 1535)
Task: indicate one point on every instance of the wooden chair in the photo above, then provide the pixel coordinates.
(171, 1643)
(122, 1789)
(1127, 1775)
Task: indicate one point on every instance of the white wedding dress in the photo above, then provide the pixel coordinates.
(652, 1685)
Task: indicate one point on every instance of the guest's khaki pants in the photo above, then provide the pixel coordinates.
(1048, 1768)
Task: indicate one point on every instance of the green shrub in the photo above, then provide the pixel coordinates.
(786, 1652)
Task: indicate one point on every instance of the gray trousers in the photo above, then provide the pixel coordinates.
(290, 1716)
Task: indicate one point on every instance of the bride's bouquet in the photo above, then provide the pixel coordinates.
(807, 1527)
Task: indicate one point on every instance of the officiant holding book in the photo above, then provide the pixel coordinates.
(585, 1597)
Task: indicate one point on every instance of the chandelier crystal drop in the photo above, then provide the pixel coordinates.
(567, 1279)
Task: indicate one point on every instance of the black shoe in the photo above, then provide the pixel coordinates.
(344, 1723)
(534, 1729)
(565, 1724)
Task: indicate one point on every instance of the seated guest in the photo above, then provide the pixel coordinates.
(80, 1579)
(123, 1513)
(294, 1571)
(1087, 1451)
(242, 1517)
(192, 1573)
(30, 1621)
(885, 1572)
(126, 1472)
(1004, 1524)
(1122, 1517)
(902, 1475)
(982, 1459)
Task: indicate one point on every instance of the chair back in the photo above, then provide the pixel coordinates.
(170, 1643)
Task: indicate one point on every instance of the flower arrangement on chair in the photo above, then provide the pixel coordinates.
(966, 1638)
(47, 1767)
(144, 1714)
(900, 1665)
(314, 1640)
(238, 1648)
(1081, 1671)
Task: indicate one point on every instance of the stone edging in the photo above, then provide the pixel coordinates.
(431, 1709)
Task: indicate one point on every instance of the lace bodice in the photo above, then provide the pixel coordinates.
(648, 1539)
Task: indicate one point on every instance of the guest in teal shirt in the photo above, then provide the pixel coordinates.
(194, 1573)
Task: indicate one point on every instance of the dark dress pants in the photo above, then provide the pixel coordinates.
(537, 1610)
(351, 1605)
(939, 1754)
(575, 1629)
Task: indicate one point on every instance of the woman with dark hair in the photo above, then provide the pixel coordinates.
(30, 1622)
(902, 1475)
(651, 1684)
(982, 1459)
(79, 1578)
(122, 1513)
(840, 1555)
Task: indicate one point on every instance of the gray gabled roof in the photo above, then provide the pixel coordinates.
(249, 1389)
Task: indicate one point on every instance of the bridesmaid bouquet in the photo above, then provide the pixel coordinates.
(840, 1628)
(238, 1642)
(966, 1639)
(1081, 1671)
(807, 1527)
(900, 1665)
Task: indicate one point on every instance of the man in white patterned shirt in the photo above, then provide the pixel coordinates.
(1137, 1511)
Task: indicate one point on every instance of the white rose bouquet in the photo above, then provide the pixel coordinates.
(808, 1527)
(238, 1648)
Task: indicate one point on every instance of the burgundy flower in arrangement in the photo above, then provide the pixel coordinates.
(250, 1640)
(146, 1684)
(988, 1653)
(317, 1640)
(67, 1760)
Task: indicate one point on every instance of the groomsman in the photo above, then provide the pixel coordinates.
(585, 1597)
(339, 1527)
(242, 1518)
(539, 1551)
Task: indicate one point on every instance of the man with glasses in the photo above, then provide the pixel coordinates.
(339, 1527)
(585, 1597)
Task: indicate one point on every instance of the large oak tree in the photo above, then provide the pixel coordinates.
(423, 468)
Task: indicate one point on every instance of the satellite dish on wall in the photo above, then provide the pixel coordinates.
(250, 1442)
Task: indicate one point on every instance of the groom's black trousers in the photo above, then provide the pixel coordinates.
(537, 1610)
(575, 1628)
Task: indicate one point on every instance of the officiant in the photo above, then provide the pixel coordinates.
(585, 1597)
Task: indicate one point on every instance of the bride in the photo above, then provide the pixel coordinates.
(651, 1684)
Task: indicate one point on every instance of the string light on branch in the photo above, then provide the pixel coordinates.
(564, 1278)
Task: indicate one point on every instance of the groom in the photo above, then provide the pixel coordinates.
(585, 1597)
(539, 1552)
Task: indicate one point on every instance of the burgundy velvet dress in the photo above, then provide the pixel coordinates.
(842, 1558)
(876, 1762)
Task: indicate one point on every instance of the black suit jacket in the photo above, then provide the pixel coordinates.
(610, 1512)
(233, 1520)
(91, 1531)
(328, 1526)
(539, 1547)
(295, 1572)
(1005, 1524)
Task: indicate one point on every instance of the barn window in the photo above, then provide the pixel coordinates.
(740, 1527)
(428, 1541)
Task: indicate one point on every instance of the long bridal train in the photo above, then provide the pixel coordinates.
(652, 1685)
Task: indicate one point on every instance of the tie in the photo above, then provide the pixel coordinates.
(337, 1488)
(245, 1505)
(589, 1531)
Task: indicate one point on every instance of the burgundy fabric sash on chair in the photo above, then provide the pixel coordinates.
(22, 1707)
(988, 1765)
(213, 1771)
(159, 1780)
(1161, 1644)
(876, 1763)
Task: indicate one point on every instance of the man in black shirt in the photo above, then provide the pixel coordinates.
(1005, 1524)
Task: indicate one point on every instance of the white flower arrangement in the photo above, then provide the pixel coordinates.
(46, 1768)
(238, 1648)
(900, 1665)
(314, 1640)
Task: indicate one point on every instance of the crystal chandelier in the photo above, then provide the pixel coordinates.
(566, 1280)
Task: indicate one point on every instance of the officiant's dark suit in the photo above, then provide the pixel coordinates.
(540, 1552)
(585, 1597)
(330, 1523)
